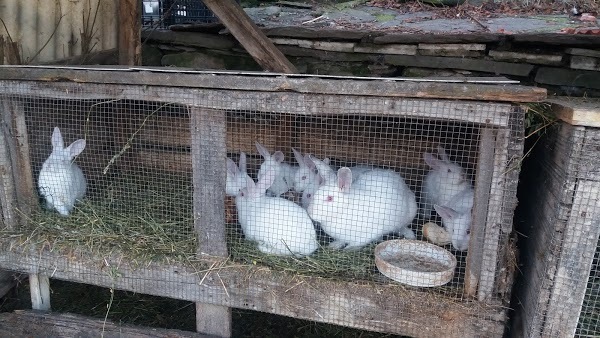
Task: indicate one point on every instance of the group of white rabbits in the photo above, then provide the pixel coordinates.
(355, 205)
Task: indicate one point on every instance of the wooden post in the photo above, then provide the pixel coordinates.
(39, 287)
(483, 182)
(260, 47)
(209, 150)
(130, 30)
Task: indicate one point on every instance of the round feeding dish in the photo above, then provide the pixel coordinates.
(415, 263)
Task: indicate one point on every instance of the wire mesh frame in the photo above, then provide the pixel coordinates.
(558, 295)
(504, 139)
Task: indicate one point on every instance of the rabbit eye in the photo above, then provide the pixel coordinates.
(303, 178)
(309, 195)
(449, 170)
(329, 198)
(469, 232)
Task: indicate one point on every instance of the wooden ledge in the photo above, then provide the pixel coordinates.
(577, 111)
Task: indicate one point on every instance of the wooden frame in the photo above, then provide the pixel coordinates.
(347, 303)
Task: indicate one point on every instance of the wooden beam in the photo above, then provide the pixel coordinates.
(130, 28)
(250, 36)
(39, 288)
(577, 111)
(208, 129)
(25, 324)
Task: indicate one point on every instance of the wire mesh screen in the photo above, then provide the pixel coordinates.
(308, 185)
(562, 227)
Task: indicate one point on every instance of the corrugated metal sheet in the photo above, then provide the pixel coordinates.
(54, 29)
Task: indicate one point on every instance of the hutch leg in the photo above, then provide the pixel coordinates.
(39, 285)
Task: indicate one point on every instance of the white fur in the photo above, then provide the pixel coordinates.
(444, 180)
(279, 226)
(284, 173)
(306, 174)
(358, 212)
(61, 182)
(236, 177)
(456, 217)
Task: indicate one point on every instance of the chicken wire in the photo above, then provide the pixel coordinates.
(558, 294)
(371, 155)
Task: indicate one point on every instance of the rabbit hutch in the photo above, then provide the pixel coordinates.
(559, 295)
(157, 216)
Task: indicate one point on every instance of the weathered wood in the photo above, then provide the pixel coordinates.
(487, 66)
(483, 179)
(8, 194)
(26, 324)
(280, 102)
(495, 218)
(557, 39)
(39, 288)
(250, 36)
(577, 111)
(130, 27)
(103, 57)
(439, 38)
(365, 305)
(578, 249)
(190, 39)
(317, 33)
(208, 135)
(382, 87)
(18, 146)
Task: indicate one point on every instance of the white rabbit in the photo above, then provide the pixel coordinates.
(356, 213)
(311, 188)
(236, 177)
(444, 180)
(61, 182)
(284, 173)
(280, 227)
(456, 217)
(306, 174)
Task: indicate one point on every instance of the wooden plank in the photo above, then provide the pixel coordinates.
(383, 87)
(250, 36)
(39, 288)
(576, 111)
(479, 224)
(279, 102)
(578, 249)
(557, 39)
(208, 135)
(192, 39)
(384, 307)
(8, 193)
(130, 28)
(439, 38)
(18, 147)
(495, 218)
(317, 33)
(26, 324)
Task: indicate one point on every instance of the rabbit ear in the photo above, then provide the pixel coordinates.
(263, 151)
(344, 176)
(231, 167)
(278, 156)
(445, 212)
(265, 181)
(324, 170)
(76, 148)
(242, 167)
(299, 158)
(57, 140)
(432, 161)
(443, 155)
(309, 163)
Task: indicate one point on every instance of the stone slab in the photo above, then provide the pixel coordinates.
(583, 52)
(451, 49)
(585, 62)
(395, 49)
(540, 59)
(487, 66)
(568, 77)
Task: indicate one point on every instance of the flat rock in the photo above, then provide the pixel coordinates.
(583, 52)
(585, 62)
(471, 49)
(193, 60)
(151, 56)
(523, 25)
(430, 38)
(445, 25)
(190, 39)
(568, 77)
(486, 66)
(394, 49)
(540, 59)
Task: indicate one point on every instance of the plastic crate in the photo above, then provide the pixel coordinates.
(176, 12)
